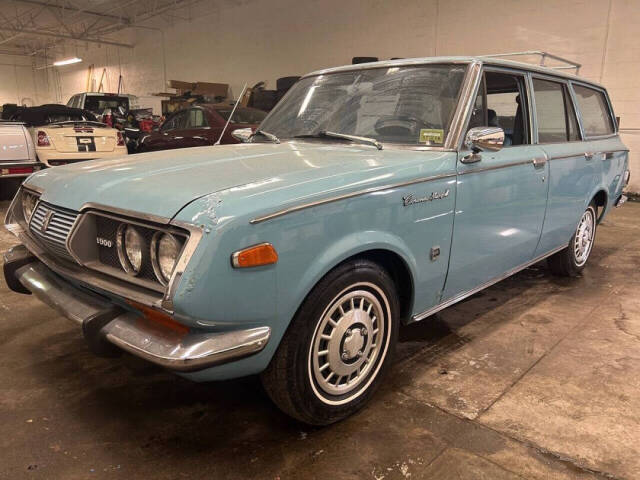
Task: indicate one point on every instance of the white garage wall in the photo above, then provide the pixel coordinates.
(18, 81)
(252, 40)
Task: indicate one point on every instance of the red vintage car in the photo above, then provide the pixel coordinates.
(200, 125)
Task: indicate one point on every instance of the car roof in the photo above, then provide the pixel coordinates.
(457, 60)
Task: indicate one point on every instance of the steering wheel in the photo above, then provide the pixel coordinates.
(399, 126)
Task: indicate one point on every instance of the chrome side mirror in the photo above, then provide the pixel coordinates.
(480, 139)
(242, 134)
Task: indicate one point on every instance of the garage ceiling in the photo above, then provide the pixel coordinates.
(33, 27)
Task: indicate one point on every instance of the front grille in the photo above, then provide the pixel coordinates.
(51, 226)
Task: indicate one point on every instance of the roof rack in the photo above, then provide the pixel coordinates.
(569, 64)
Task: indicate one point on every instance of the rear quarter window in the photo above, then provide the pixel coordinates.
(594, 109)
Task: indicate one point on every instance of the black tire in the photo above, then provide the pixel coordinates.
(566, 262)
(291, 379)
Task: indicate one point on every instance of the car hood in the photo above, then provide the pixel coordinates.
(161, 183)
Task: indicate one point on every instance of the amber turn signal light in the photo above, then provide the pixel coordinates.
(263, 254)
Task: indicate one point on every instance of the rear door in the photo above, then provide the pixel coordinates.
(173, 135)
(572, 173)
(500, 199)
(196, 132)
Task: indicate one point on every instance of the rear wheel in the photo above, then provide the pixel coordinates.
(572, 260)
(338, 346)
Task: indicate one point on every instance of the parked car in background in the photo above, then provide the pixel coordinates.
(98, 102)
(371, 195)
(64, 135)
(17, 156)
(200, 125)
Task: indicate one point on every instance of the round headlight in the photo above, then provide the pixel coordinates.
(165, 249)
(29, 201)
(130, 247)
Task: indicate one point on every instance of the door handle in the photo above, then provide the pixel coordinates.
(589, 155)
(539, 162)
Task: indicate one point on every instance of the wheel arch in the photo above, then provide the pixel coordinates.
(387, 250)
(601, 200)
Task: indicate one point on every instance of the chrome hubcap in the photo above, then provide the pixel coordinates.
(584, 237)
(348, 341)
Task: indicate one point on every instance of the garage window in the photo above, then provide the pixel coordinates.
(594, 108)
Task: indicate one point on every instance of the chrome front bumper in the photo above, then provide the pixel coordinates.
(169, 348)
(622, 199)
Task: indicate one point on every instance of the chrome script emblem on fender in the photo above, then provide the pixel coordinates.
(46, 221)
(412, 200)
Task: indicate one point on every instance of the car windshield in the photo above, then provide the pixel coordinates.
(101, 103)
(406, 105)
(242, 115)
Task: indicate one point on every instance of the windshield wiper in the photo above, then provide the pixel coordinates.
(353, 138)
(268, 135)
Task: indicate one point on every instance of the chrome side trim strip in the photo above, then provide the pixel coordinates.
(496, 167)
(461, 296)
(297, 208)
(565, 157)
(605, 153)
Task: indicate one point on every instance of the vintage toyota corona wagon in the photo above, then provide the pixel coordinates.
(371, 195)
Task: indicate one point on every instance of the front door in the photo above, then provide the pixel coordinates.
(501, 199)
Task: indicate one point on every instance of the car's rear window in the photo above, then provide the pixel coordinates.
(594, 108)
(65, 118)
(101, 103)
(242, 115)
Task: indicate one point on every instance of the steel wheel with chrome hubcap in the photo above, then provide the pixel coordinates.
(583, 239)
(572, 260)
(338, 346)
(347, 342)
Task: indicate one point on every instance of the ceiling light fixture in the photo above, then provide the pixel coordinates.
(68, 61)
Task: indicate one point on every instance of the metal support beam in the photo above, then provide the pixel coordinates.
(124, 20)
(66, 37)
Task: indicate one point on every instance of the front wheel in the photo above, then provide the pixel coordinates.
(338, 346)
(572, 260)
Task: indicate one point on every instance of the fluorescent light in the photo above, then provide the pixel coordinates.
(68, 61)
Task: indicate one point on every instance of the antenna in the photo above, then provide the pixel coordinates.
(231, 115)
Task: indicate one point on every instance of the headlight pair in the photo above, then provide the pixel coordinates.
(164, 251)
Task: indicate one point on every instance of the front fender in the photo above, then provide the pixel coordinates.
(332, 255)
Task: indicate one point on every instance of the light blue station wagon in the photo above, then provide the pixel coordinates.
(371, 195)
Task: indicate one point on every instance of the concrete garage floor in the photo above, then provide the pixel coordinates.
(537, 377)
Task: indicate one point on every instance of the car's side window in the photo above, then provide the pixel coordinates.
(554, 112)
(594, 109)
(501, 101)
(169, 124)
(181, 120)
(196, 119)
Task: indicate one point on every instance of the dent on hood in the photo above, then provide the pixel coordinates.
(209, 214)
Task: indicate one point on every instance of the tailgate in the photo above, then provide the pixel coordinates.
(82, 139)
(14, 146)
